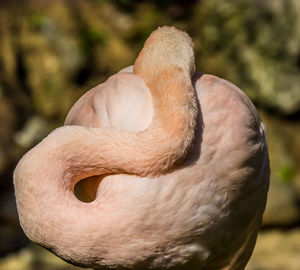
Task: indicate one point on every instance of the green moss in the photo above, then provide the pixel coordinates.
(286, 174)
(90, 38)
(36, 21)
(93, 36)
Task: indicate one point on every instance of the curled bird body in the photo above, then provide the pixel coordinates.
(177, 164)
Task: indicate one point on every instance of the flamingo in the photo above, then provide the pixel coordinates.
(174, 164)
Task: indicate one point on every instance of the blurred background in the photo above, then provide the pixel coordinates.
(51, 52)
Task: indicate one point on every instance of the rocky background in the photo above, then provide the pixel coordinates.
(51, 52)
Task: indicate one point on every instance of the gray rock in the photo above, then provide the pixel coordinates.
(282, 206)
(34, 130)
(34, 257)
(276, 250)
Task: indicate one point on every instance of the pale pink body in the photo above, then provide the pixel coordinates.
(203, 214)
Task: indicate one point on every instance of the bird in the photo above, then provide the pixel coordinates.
(159, 167)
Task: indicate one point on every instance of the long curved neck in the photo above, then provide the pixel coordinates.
(165, 64)
(71, 153)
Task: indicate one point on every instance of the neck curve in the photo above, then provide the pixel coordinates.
(45, 177)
